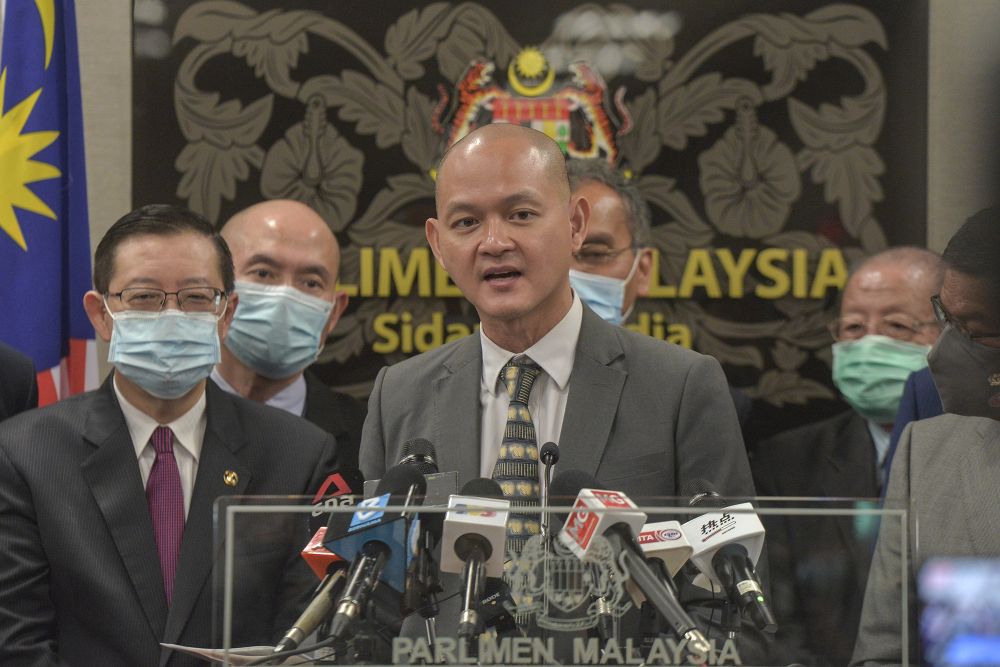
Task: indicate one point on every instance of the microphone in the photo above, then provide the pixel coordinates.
(549, 456)
(726, 546)
(473, 544)
(376, 539)
(419, 453)
(619, 528)
(326, 565)
(339, 488)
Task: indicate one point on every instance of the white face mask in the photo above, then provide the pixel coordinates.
(166, 353)
(277, 330)
(604, 295)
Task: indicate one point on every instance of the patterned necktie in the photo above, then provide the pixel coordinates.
(516, 470)
(166, 505)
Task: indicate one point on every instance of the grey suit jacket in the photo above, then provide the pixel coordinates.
(945, 472)
(80, 580)
(643, 416)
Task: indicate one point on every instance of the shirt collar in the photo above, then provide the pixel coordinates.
(881, 438)
(554, 352)
(189, 428)
(290, 399)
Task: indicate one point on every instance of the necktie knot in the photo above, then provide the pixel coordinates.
(163, 440)
(519, 375)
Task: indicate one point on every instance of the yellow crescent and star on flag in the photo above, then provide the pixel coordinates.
(17, 148)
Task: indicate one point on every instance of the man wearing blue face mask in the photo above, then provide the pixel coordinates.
(611, 268)
(107, 498)
(286, 260)
(883, 333)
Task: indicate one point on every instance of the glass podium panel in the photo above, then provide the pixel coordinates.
(611, 581)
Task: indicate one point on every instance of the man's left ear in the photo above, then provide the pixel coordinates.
(579, 214)
(339, 306)
(93, 305)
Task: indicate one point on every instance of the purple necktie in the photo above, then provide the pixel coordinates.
(166, 505)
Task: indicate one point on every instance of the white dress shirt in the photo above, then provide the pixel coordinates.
(290, 399)
(189, 434)
(555, 353)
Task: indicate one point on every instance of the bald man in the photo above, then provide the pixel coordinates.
(819, 565)
(640, 415)
(286, 261)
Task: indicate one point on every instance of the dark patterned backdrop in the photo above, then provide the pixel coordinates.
(776, 142)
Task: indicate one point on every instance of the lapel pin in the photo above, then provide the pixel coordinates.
(230, 477)
(994, 379)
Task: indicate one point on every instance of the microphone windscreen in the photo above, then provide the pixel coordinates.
(481, 487)
(398, 479)
(419, 453)
(702, 493)
(549, 453)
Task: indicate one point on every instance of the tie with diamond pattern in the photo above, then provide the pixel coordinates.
(166, 506)
(516, 470)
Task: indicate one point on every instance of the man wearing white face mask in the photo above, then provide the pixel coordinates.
(107, 499)
(611, 268)
(883, 333)
(286, 261)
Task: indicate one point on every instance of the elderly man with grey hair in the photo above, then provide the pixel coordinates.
(819, 564)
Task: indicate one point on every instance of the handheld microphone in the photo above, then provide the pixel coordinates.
(419, 453)
(726, 546)
(377, 539)
(473, 544)
(619, 528)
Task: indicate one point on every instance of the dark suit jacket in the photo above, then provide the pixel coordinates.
(920, 401)
(819, 564)
(18, 387)
(80, 582)
(337, 414)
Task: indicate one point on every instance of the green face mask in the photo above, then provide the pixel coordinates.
(870, 373)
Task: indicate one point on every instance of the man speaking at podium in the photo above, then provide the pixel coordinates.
(640, 415)
(106, 498)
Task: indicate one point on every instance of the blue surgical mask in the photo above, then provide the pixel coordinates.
(166, 353)
(604, 295)
(277, 330)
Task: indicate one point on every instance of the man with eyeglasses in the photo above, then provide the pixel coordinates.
(107, 498)
(882, 334)
(945, 470)
(611, 268)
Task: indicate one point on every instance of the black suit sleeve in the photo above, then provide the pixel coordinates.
(18, 384)
(27, 617)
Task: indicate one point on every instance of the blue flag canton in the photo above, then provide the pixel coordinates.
(44, 230)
